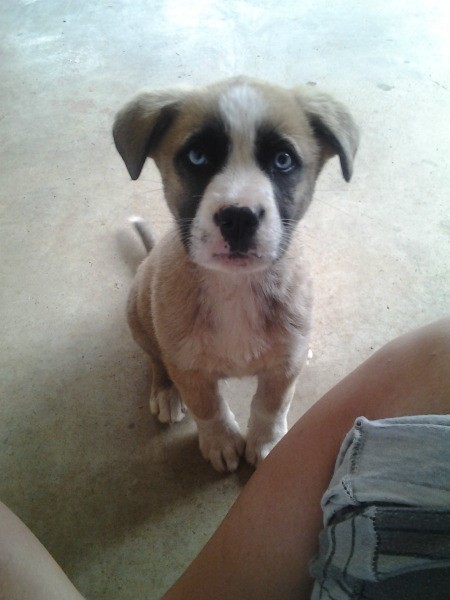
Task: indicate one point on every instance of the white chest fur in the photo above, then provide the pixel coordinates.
(231, 331)
(238, 313)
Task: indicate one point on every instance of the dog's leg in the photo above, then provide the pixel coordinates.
(221, 442)
(165, 401)
(220, 439)
(269, 410)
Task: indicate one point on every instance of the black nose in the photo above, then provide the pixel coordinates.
(238, 224)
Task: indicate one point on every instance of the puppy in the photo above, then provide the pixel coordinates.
(226, 292)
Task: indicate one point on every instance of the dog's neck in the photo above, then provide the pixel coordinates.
(239, 300)
(228, 285)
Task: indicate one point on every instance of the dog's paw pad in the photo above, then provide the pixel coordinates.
(257, 450)
(223, 450)
(262, 438)
(167, 406)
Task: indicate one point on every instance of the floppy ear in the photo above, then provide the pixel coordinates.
(333, 125)
(140, 125)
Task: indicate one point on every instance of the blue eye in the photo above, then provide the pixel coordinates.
(197, 158)
(283, 161)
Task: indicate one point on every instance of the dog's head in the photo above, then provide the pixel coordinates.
(238, 160)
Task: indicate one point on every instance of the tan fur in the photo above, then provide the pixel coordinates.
(200, 325)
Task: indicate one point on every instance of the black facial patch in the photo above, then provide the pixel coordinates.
(202, 157)
(277, 157)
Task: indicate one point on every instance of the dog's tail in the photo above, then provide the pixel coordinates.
(144, 232)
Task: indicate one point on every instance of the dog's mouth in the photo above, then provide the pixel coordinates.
(238, 260)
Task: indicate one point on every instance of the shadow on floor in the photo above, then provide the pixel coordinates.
(84, 464)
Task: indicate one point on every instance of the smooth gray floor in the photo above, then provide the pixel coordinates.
(121, 502)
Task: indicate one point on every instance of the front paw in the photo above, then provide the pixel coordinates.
(221, 442)
(166, 404)
(262, 437)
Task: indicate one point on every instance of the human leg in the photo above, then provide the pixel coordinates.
(27, 571)
(263, 547)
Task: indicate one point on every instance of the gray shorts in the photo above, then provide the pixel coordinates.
(387, 513)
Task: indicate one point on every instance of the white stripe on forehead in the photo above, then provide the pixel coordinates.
(242, 108)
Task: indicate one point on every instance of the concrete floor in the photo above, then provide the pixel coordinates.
(121, 502)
